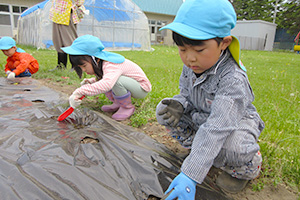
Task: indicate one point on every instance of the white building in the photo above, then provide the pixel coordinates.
(255, 34)
(10, 10)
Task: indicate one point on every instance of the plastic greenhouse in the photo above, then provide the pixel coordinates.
(120, 25)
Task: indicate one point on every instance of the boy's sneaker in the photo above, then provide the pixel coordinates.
(230, 184)
(184, 132)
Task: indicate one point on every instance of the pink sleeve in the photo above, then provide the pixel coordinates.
(111, 74)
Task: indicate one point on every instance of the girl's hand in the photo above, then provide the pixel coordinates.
(85, 81)
(74, 100)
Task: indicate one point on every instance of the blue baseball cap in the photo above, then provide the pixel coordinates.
(206, 19)
(92, 46)
(7, 43)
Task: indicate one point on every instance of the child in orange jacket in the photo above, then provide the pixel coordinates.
(19, 63)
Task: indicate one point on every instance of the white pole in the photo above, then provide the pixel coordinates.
(275, 11)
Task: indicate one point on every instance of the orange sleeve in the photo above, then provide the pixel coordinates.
(22, 62)
(9, 65)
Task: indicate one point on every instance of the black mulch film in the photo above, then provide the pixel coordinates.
(86, 156)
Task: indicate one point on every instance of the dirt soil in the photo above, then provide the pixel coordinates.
(159, 133)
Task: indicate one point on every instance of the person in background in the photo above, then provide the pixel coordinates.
(213, 115)
(117, 77)
(65, 15)
(19, 63)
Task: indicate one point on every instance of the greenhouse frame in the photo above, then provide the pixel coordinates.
(120, 25)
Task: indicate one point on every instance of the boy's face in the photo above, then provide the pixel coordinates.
(10, 52)
(202, 57)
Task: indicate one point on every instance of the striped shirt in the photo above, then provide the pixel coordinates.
(223, 97)
(111, 73)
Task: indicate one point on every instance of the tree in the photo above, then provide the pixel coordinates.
(287, 12)
(255, 9)
(289, 17)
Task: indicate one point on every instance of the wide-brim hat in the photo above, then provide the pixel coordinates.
(7, 43)
(92, 46)
(206, 19)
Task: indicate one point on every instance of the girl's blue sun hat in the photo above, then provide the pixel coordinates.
(207, 19)
(7, 43)
(92, 46)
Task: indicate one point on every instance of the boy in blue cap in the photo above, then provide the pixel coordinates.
(213, 115)
(19, 63)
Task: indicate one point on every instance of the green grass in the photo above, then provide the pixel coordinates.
(275, 79)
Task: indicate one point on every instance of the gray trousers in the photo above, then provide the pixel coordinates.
(63, 35)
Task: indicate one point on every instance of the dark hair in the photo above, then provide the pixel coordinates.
(78, 60)
(181, 40)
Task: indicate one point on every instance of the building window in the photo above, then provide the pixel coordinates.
(9, 15)
(16, 9)
(4, 19)
(5, 15)
(156, 36)
(4, 8)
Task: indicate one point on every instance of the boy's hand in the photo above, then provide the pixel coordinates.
(7, 73)
(74, 100)
(11, 75)
(184, 188)
(172, 113)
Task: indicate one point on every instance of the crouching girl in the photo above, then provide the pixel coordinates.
(118, 78)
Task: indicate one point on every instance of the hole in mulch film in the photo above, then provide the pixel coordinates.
(37, 101)
(88, 139)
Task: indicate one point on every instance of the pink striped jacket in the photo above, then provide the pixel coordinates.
(111, 73)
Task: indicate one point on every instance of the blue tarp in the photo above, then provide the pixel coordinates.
(49, 43)
(34, 8)
(102, 10)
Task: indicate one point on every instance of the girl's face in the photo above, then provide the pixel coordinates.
(87, 67)
(10, 52)
(202, 57)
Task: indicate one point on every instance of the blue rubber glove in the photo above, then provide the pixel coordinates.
(184, 188)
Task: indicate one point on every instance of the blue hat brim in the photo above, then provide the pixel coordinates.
(104, 55)
(187, 31)
(5, 47)
(196, 34)
(7, 43)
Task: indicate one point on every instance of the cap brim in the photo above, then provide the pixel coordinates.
(235, 51)
(188, 31)
(6, 47)
(104, 55)
(70, 50)
(110, 56)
